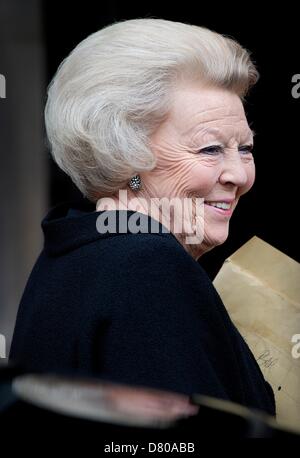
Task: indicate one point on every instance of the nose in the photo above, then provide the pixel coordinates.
(234, 171)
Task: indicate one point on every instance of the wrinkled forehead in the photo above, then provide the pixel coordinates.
(214, 112)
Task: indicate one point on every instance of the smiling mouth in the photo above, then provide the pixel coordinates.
(221, 205)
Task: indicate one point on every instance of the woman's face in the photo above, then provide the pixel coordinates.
(203, 149)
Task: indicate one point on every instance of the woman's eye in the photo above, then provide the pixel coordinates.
(213, 149)
(246, 149)
(216, 149)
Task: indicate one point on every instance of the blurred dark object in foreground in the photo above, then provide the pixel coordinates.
(102, 411)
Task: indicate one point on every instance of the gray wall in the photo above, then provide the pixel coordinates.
(24, 162)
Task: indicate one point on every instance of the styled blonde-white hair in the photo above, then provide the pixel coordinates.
(114, 89)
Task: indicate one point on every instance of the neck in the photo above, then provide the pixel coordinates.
(140, 202)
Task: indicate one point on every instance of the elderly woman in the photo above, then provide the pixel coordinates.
(144, 114)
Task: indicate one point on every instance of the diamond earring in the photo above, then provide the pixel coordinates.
(135, 183)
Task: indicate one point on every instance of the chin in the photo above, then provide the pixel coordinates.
(216, 238)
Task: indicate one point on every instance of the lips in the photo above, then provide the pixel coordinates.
(226, 199)
(220, 203)
(223, 205)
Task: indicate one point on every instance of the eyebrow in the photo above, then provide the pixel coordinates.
(218, 133)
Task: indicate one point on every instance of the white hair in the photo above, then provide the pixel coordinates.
(114, 89)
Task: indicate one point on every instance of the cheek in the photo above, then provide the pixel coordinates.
(250, 171)
(184, 177)
(203, 178)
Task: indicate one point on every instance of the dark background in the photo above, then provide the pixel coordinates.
(269, 210)
(35, 35)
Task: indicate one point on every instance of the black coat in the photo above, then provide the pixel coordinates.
(131, 308)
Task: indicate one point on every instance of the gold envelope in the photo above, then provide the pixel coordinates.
(260, 287)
